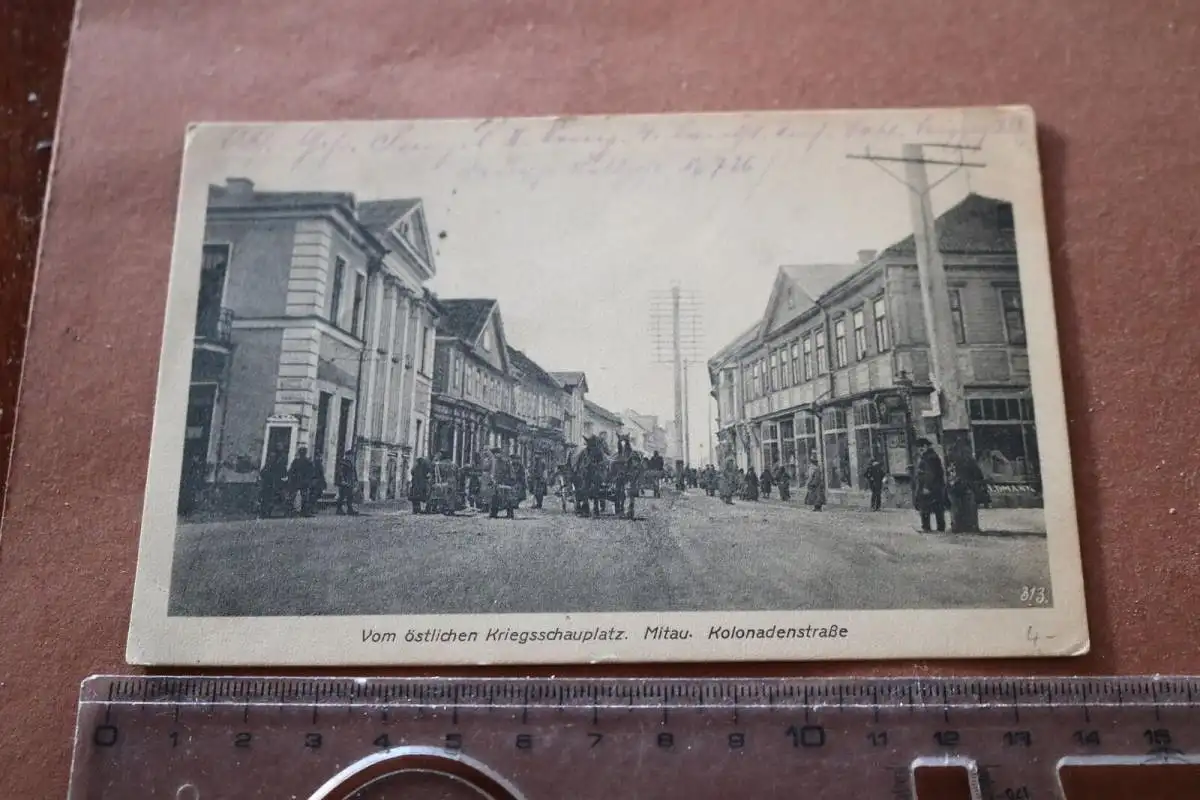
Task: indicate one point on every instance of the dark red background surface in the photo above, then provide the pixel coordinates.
(1116, 86)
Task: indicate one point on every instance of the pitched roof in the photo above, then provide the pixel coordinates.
(378, 216)
(530, 367)
(601, 411)
(744, 338)
(464, 317)
(815, 280)
(569, 380)
(977, 224)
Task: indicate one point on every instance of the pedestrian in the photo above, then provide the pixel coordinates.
(272, 480)
(874, 474)
(729, 479)
(418, 490)
(930, 497)
(345, 477)
(784, 481)
(751, 484)
(300, 478)
(538, 482)
(317, 488)
(815, 485)
(965, 487)
(765, 481)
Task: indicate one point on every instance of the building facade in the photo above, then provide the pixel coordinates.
(645, 433)
(293, 290)
(473, 386)
(599, 421)
(540, 402)
(839, 366)
(576, 387)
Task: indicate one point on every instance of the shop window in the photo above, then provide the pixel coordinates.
(1004, 436)
(837, 449)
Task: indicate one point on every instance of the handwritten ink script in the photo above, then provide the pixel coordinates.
(533, 150)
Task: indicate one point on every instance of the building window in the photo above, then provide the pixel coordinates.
(837, 449)
(882, 340)
(757, 380)
(822, 355)
(770, 447)
(487, 340)
(454, 364)
(1014, 317)
(808, 358)
(335, 294)
(774, 372)
(1004, 436)
(869, 441)
(956, 316)
(860, 334)
(356, 313)
(839, 342)
(806, 445)
(785, 368)
(796, 375)
(427, 350)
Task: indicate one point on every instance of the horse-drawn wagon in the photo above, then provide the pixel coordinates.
(445, 491)
(499, 487)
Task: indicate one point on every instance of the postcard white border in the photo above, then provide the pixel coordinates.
(158, 639)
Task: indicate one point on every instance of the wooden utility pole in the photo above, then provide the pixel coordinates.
(677, 355)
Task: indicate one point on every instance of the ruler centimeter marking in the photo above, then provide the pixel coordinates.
(591, 738)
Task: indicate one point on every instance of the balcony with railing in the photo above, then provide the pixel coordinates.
(214, 327)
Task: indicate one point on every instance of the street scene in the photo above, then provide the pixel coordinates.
(399, 405)
(683, 552)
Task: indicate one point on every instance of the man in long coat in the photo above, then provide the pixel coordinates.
(345, 476)
(418, 490)
(302, 478)
(874, 475)
(814, 495)
(930, 497)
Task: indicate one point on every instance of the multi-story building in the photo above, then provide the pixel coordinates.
(540, 402)
(599, 421)
(397, 373)
(308, 302)
(840, 364)
(473, 399)
(575, 385)
(725, 378)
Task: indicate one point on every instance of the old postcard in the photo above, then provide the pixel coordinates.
(769, 386)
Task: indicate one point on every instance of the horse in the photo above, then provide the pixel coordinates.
(588, 467)
(598, 476)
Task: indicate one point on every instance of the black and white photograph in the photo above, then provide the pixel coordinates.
(686, 387)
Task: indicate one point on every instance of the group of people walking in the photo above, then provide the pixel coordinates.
(296, 488)
(958, 486)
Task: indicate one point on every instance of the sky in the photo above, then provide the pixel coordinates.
(573, 225)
